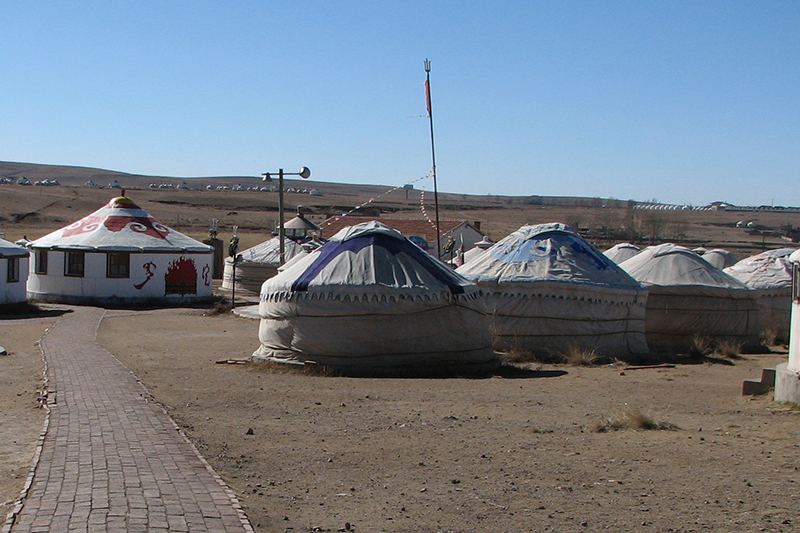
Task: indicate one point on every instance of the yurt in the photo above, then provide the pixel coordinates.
(720, 258)
(770, 275)
(13, 273)
(787, 375)
(370, 302)
(548, 291)
(119, 255)
(690, 299)
(261, 262)
(622, 252)
(258, 264)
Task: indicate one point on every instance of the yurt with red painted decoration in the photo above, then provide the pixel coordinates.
(119, 255)
(371, 302)
(13, 273)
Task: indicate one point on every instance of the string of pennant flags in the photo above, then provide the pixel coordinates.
(336, 218)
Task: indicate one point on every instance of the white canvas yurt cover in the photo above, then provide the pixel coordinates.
(770, 275)
(720, 258)
(370, 302)
(259, 263)
(690, 298)
(548, 290)
(622, 252)
(118, 255)
(13, 273)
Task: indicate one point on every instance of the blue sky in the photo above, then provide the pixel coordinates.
(684, 102)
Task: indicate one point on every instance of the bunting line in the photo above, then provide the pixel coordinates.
(335, 218)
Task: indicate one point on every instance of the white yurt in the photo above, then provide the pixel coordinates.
(13, 273)
(261, 262)
(119, 255)
(622, 252)
(258, 264)
(690, 298)
(770, 275)
(720, 258)
(548, 290)
(370, 302)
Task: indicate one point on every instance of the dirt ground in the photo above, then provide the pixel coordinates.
(515, 452)
(21, 420)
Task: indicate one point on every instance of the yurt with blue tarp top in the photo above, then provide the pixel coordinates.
(370, 302)
(548, 290)
(691, 298)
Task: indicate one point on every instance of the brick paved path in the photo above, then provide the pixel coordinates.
(112, 459)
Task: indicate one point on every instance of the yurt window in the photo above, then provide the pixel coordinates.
(41, 262)
(74, 264)
(13, 270)
(118, 265)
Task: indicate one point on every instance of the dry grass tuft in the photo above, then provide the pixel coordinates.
(729, 349)
(576, 356)
(514, 356)
(701, 346)
(221, 307)
(631, 420)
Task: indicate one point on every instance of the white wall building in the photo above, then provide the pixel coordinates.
(119, 255)
(13, 273)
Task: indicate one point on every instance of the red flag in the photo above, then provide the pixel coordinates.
(428, 96)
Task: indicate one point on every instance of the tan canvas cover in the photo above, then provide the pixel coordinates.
(769, 274)
(548, 289)
(371, 302)
(689, 298)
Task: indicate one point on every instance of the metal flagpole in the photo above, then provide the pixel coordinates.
(433, 157)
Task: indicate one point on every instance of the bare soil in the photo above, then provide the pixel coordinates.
(21, 419)
(519, 451)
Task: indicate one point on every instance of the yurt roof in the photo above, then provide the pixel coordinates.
(121, 226)
(269, 251)
(671, 265)
(9, 249)
(795, 256)
(300, 222)
(768, 270)
(622, 252)
(546, 252)
(368, 259)
(720, 258)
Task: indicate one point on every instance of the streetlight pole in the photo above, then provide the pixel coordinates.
(304, 173)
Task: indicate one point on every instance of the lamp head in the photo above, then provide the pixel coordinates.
(304, 173)
(266, 177)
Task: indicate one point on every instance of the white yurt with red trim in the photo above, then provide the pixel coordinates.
(119, 255)
(13, 273)
(371, 302)
(549, 291)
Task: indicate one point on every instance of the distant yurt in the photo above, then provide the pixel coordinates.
(548, 291)
(13, 273)
(258, 264)
(261, 262)
(770, 275)
(119, 255)
(720, 258)
(691, 299)
(622, 252)
(370, 302)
